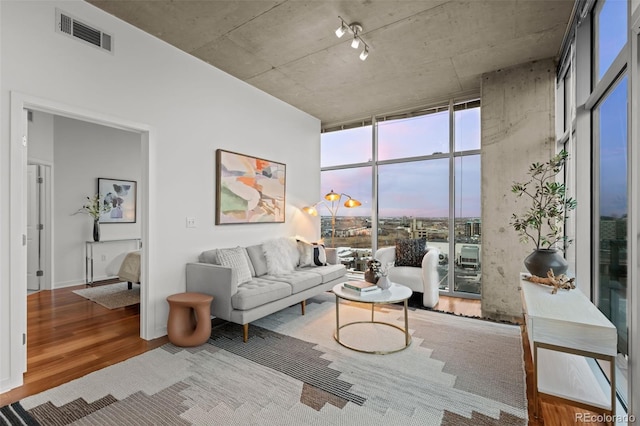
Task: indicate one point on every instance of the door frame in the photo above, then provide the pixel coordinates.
(20, 103)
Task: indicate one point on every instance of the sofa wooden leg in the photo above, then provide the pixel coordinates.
(245, 332)
(303, 305)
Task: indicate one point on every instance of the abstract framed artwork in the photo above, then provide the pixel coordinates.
(249, 189)
(121, 196)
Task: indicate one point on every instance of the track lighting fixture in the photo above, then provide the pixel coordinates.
(355, 29)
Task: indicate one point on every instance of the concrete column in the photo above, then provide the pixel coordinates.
(518, 128)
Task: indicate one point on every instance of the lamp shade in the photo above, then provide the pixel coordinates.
(356, 42)
(350, 203)
(332, 196)
(340, 31)
(311, 210)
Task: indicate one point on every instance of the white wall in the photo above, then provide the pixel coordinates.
(191, 108)
(83, 152)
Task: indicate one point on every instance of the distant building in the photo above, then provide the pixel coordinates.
(607, 229)
(612, 230)
(418, 229)
(353, 232)
(472, 228)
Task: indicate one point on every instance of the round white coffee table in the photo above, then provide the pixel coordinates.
(394, 294)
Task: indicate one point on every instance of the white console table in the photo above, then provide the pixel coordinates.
(90, 245)
(565, 329)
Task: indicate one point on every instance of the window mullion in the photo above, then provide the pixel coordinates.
(452, 204)
(374, 183)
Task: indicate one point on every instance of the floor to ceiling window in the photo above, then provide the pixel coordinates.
(610, 204)
(466, 206)
(611, 212)
(595, 128)
(423, 181)
(346, 160)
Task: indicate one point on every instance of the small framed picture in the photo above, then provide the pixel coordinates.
(120, 196)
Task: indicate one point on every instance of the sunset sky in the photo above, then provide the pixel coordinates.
(417, 188)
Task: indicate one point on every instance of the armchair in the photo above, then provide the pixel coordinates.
(422, 280)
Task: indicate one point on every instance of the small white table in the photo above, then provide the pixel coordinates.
(394, 294)
(564, 330)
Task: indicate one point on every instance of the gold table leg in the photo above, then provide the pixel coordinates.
(407, 336)
(337, 318)
(406, 323)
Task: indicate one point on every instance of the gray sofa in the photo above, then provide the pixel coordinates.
(263, 293)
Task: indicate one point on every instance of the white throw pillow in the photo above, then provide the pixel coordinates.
(312, 254)
(294, 254)
(236, 259)
(277, 252)
(306, 253)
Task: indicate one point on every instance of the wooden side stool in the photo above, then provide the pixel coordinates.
(189, 322)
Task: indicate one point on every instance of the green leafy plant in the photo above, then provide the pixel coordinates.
(544, 220)
(94, 207)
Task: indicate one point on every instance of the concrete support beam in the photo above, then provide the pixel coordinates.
(518, 122)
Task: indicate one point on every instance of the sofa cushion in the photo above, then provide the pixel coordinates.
(259, 262)
(237, 260)
(259, 291)
(277, 252)
(211, 256)
(299, 280)
(328, 272)
(409, 252)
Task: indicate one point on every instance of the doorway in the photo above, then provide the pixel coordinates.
(18, 253)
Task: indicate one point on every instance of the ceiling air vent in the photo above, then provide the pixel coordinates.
(72, 27)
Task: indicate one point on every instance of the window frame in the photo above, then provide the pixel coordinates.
(451, 107)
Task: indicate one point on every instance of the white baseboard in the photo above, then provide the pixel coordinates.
(64, 284)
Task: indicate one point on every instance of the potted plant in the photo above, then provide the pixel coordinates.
(94, 207)
(543, 222)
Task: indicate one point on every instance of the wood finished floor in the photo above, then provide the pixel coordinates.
(69, 337)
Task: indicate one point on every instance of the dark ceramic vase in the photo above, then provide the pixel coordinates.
(96, 230)
(370, 276)
(540, 261)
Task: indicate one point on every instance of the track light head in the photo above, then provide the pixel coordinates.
(356, 42)
(342, 30)
(364, 53)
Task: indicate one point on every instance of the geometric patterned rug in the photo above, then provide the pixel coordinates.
(457, 371)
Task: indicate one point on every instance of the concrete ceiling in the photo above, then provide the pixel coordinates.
(420, 51)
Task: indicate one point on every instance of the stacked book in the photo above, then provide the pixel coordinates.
(361, 287)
